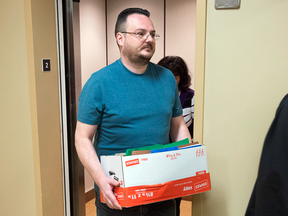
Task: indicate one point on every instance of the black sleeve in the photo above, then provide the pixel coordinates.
(270, 193)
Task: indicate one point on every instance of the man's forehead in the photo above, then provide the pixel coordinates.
(139, 21)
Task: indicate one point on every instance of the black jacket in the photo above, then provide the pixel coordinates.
(270, 193)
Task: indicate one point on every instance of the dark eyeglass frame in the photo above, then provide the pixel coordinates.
(143, 36)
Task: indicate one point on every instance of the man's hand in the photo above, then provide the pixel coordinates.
(83, 141)
(106, 186)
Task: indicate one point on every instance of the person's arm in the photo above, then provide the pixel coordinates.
(178, 129)
(83, 141)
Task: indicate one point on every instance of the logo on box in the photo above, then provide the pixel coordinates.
(187, 188)
(201, 185)
(132, 162)
(120, 196)
(201, 172)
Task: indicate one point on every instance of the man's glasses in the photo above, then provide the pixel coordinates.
(143, 35)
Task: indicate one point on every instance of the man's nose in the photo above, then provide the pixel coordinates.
(149, 37)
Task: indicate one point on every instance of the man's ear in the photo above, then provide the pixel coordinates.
(119, 39)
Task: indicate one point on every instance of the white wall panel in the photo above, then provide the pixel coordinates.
(180, 31)
(93, 37)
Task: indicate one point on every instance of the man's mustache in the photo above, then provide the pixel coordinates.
(147, 46)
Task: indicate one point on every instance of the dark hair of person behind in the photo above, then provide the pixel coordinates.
(179, 68)
(122, 17)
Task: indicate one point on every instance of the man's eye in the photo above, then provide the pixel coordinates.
(140, 33)
(152, 35)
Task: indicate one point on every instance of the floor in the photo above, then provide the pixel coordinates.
(185, 208)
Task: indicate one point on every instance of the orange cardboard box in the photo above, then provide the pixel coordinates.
(148, 178)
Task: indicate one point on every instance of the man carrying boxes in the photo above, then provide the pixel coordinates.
(130, 103)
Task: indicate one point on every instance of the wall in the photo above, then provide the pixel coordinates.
(16, 151)
(92, 34)
(31, 164)
(45, 99)
(181, 31)
(245, 79)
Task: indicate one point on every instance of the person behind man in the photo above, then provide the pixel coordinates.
(181, 73)
(180, 70)
(127, 104)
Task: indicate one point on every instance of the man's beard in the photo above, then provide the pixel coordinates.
(139, 59)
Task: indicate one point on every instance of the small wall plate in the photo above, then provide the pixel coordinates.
(46, 65)
(227, 4)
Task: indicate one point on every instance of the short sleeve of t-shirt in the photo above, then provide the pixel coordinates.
(90, 103)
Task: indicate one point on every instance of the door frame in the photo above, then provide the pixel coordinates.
(200, 51)
(74, 190)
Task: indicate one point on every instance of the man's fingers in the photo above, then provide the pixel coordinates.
(108, 193)
(109, 197)
(114, 182)
(112, 202)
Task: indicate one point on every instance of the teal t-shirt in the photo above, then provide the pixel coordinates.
(131, 110)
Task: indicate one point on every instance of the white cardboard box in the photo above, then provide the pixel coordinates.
(156, 177)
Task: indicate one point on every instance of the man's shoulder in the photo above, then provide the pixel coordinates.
(106, 71)
(157, 67)
(109, 67)
(160, 69)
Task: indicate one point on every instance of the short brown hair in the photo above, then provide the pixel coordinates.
(122, 18)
